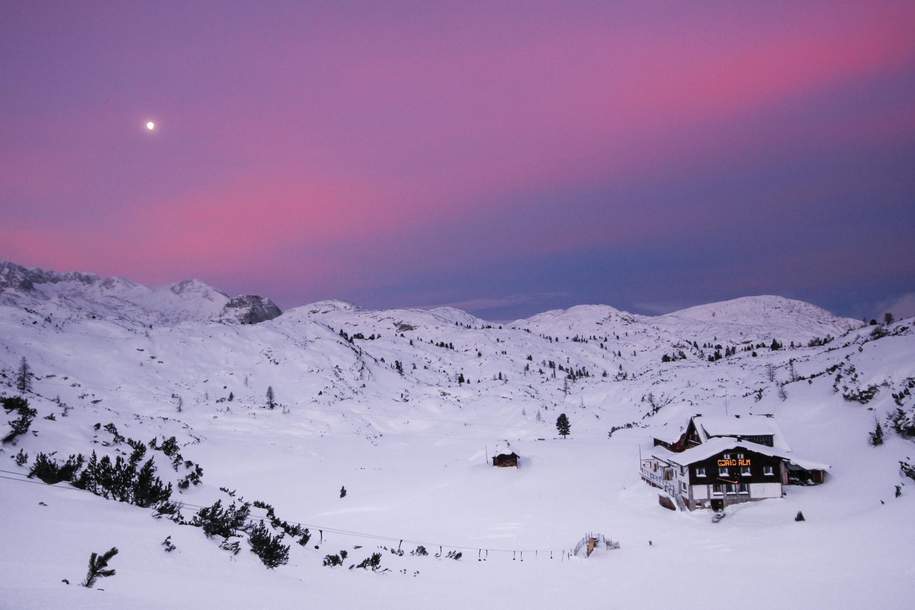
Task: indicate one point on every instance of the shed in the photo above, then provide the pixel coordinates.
(505, 460)
(504, 456)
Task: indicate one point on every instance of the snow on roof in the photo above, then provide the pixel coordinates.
(717, 445)
(503, 447)
(668, 434)
(746, 425)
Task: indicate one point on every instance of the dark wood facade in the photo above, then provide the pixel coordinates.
(737, 466)
(506, 460)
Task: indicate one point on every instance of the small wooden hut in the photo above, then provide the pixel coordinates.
(505, 460)
(505, 456)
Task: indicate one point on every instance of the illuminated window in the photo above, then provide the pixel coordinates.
(739, 456)
(744, 471)
(727, 456)
(723, 472)
(700, 472)
(768, 471)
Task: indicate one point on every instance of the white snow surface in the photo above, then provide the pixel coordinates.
(411, 451)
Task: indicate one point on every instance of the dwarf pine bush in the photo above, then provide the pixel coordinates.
(215, 520)
(269, 548)
(20, 425)
(47, 469)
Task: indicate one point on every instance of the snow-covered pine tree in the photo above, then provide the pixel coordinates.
(271, 401)
(562, 425)
(876, 436)
(24, 377)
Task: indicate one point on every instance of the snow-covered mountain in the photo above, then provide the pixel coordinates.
(63, 296)
(403, 406)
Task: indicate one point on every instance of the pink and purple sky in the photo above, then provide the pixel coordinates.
(505, 157)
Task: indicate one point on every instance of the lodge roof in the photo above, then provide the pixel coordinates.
(740, 425)
(714, 446)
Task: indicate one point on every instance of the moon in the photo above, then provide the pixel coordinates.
(150, 125)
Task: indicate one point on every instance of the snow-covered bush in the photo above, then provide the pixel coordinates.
(120, 480)
(862, 396)
(372, 562)
(269, 548)
(47, 469)
(331, 561)
(908, 469)
(218, 521)
(20, 425)
(876, 435)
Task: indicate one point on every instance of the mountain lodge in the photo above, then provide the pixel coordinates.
(718, 461)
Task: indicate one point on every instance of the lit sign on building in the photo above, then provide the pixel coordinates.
(732, 462)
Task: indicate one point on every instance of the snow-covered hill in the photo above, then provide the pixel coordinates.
(402, 407)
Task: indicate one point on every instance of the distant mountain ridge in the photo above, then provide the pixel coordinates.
(193, 299)
(74, 293)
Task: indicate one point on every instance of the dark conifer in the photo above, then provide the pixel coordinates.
(98, 566)
(24, 377)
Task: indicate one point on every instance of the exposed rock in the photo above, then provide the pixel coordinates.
(251, 309)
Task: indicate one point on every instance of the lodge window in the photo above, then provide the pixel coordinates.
(739, 456)
(723, 472)
(744, 471)
(683, 485)
(727, 456)
(768, 471)
(700, 472)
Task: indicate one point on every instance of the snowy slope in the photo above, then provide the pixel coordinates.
(402, 407)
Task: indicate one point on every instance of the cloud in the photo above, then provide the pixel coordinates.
(901, 307)
(481, 304)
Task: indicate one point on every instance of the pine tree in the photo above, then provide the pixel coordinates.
(888, 318)
(271, 402)
(563, 425)
(876, 437)
(24, 377)
(342, 491)
(98, 566)
(148, 489)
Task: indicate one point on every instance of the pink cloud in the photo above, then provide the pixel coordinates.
(360, 136)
